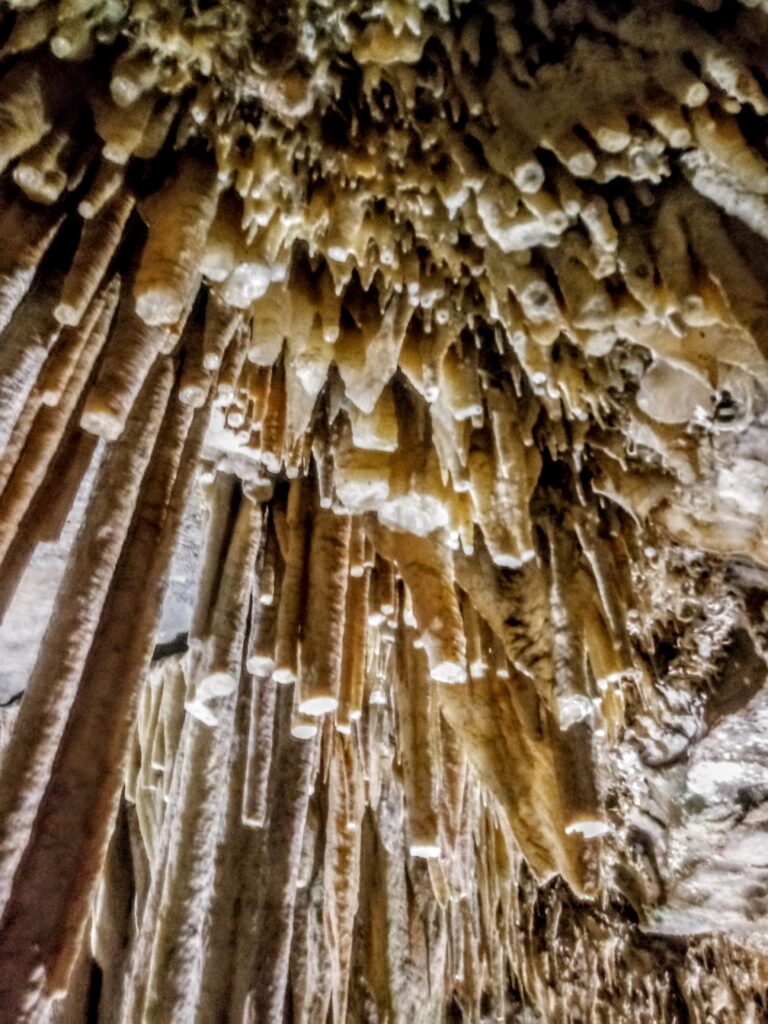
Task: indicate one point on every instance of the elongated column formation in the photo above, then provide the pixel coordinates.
(454, 319)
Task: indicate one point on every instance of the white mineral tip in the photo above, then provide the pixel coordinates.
(216, 684)
(427, 850)
(201, 712)
(158, 308)
(303, 730)
(318, 705)
(448, 672)
(591, 828)
(261, 666)
(574, 708)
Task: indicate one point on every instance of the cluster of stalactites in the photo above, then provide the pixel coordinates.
(352, 614)
(480, 255)
(344, 617)
(360, 878)
(290, 843)
(314, 783)
(449, 322)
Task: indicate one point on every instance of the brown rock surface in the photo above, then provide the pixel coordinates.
(383, 555)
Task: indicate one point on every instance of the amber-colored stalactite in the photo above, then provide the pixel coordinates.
(452, 319)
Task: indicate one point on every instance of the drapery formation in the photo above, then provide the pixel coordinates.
(454, 318)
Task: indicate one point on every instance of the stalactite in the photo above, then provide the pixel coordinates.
(342, 866)
(426, 569)
(27, 472)
(352, 681)
(454, 320)
(25, 118)
(415, 715)
(94, 783)
(270, 958)
(260, 736)
(174, 970)
(100, 238)
(26, 342)
(220, 666)
(179, 221)
(323, 634)
(29, 758)
(292, 590)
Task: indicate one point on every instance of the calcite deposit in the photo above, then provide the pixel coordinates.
(384, 394)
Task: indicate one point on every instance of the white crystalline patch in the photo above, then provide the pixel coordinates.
(573, 709)
(714, 781)
(591, 829)
(217, 684)
(426, 850)
(669, 394)
(318, 705)
(246, 283)
(261, 666)
(745, 483)
(360, 495)
(303, 730)
(750, 850)
(448, 672)
(199, 710)
(507, 561)
(419, 514)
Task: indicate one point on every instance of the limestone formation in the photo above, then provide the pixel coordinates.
(453, 319)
